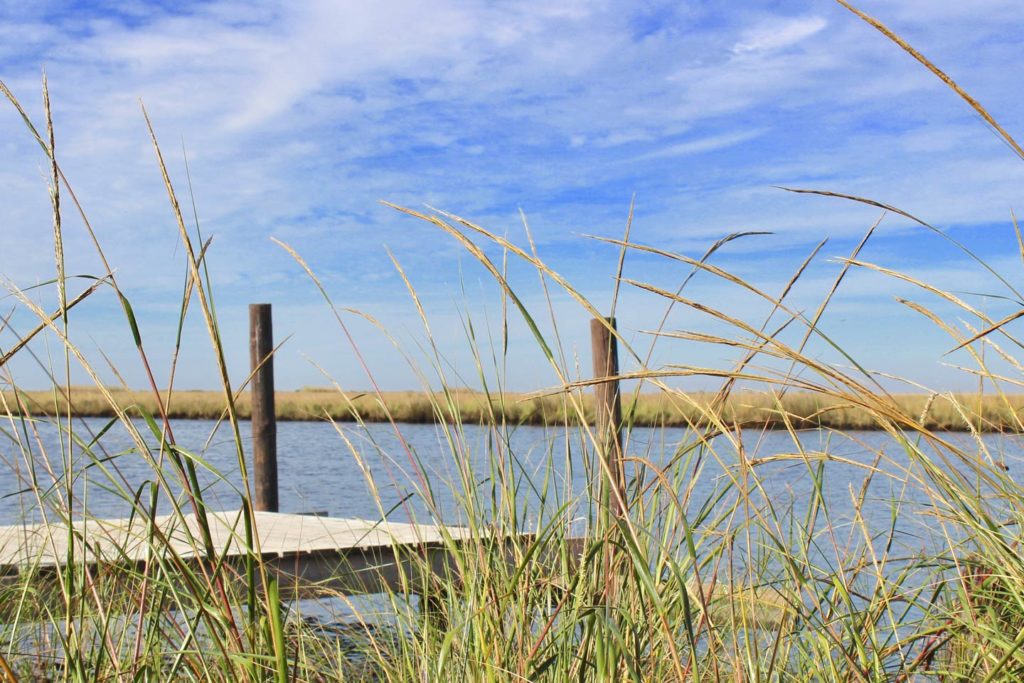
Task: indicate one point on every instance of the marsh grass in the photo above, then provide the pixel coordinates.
(731, 581)
(666, 408)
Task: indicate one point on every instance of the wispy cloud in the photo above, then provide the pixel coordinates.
(778, 34)
(700, 145)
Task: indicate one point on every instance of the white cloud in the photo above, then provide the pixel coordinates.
(778, 34)
(700, 145)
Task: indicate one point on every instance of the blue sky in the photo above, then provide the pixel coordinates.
(297, 118)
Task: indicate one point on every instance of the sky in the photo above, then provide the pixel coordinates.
(296, 120)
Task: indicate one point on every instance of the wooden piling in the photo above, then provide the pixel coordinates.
(607, 399)
(264, 420)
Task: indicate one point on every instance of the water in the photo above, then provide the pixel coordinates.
(319, 471)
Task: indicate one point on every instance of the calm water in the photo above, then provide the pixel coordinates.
(318, 471)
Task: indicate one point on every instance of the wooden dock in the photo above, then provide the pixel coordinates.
(306, 553)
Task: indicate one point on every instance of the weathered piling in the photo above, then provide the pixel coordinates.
(264, 421)
(607, 399)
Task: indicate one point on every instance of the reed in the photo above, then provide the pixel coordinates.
(962, 412)
(702, 567)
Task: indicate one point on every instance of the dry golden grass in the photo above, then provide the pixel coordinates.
(760, 409)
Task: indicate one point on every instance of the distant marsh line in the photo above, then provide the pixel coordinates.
(955, 412)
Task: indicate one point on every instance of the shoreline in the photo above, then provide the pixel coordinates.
(797, 410)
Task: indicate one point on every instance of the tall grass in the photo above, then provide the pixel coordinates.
(953, 411)
(710, 571)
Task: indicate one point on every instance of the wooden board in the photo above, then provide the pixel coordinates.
(352, 554)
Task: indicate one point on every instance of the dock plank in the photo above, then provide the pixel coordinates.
(313, 548)
(308, 555)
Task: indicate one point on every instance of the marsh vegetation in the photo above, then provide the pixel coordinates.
(667, 408)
